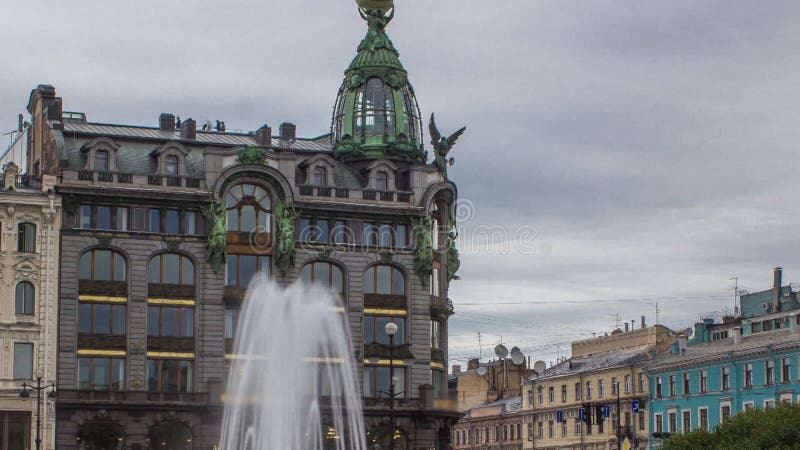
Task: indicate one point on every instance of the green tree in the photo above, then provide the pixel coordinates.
(757, 429)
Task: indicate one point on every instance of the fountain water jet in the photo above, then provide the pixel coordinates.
(292, 385)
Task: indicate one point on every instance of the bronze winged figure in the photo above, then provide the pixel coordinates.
(442, 146)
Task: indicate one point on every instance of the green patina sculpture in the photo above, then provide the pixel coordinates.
(423, 257)
(217, 235)
(252, 155)
(285, 216)
(442, 146)
(453, 259)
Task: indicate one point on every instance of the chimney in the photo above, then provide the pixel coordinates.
(20, 123)
(11, 171)
(683, 342)
(795, 324)
(777, 274)
(627, 327)
(189, 129)
(644, 322)
(473, 363)
(166, 121)
(633, 324)
(456, 369)
(737, 335)
(264, 136)
(288, 132)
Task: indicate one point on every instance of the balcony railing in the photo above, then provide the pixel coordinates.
(93, 176)
(441, 306)
(307, 190)
(22, 182)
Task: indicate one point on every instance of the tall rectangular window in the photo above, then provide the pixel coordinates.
(122, 219)
(627, 384)
(703, 380)
(748, 375)
(231, 323)
(724, 412)
(769, 371)
(173, 222)
(23, 361)
(104, 217)
(588, 390)
(658, 387)
(190, 223)
(170, 375)
(101, 374)
(686, 379)
(687, 421)
(551, 429)
(786, 367)
(377, 381)
(703, 412)
(726, 378)
(672, 421)
(26, 238)
(600, 388)
(577, 392)
(85, 220)
(641, 382)
(154, 224)
(436, 334)
(551, 395)
(672, 385)
(563, 393)
(659, 423)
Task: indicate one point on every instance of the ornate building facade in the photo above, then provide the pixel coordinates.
(30, 222)
(164, 227)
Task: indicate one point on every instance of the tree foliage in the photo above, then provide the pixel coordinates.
(756, 429)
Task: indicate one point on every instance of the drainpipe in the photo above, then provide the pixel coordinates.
(580, 405)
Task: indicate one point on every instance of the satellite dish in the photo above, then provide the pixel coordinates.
(515, 351)
(539, 366)
(517, 358)
(481, 371)
(501, 351)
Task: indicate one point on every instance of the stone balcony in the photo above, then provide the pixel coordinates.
(91, 177)
(441, 307)
(369, 196)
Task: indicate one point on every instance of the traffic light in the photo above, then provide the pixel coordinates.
(598, 410)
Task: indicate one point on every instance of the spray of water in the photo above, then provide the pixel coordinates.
(293, 383)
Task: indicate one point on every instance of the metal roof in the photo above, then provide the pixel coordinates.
(600, 361)
(319, 144)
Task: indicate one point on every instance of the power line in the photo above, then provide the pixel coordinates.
(619, 300)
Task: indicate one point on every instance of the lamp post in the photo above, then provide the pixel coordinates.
(391, 331)
(38, 388)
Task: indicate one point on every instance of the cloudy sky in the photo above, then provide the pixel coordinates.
(619, 153)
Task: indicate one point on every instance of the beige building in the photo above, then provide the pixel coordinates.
(492, 426)
(483, 383)
(565, 407)
(29, 246)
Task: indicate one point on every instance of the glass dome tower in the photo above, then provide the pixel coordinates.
(376, 113)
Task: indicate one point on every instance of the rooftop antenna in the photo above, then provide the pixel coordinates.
(616, 320)
(735, 295)
(656, 313)
(480, 347)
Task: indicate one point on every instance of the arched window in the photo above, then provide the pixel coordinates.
(171, 269)
(102, 265)
(23, 298)
(101, 160)
(382, 181)
(170, 435)
(384, 280)
(171, 166)
(324, 274)
(26, 238)
(320, 176)
(249, 206)
(101, 435)
(374, 109)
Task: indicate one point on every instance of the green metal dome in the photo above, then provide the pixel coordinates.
(376, 113)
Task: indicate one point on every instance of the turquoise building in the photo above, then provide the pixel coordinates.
(722, 369)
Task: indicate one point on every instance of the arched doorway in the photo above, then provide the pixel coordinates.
(101, 435)
(379, 438)
(171, 435)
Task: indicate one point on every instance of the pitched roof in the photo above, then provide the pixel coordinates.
(600, 361)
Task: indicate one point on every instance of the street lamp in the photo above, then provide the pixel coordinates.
(38, 375)
(391, 330)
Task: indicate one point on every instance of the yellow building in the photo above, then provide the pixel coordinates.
(30, 222)
(566, 406)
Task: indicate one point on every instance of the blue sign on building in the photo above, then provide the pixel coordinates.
(635, 406)
(606, 411)
(560, 416)
(581, 415)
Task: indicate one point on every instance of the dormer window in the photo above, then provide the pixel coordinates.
(101, 160)
(382, 181)
(320, 176)
(171, 166)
